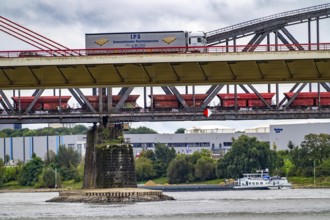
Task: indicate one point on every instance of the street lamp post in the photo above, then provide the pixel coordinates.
(314, 172)
(55, 178)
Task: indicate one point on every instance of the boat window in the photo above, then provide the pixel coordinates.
(261, 183)
(257, 183)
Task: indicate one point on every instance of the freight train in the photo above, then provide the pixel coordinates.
(170, 102)
(242, 100)
(145, 42)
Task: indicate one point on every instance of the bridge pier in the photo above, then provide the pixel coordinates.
(108, 162)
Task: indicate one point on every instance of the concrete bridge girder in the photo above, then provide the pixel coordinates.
(217, 68)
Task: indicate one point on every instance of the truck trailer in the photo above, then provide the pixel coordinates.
(145, 42)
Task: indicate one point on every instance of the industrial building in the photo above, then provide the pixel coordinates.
(22, 148)
(218, 139)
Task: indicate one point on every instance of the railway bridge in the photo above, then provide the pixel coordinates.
(272, 77)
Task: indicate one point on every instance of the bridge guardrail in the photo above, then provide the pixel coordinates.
(164, 50)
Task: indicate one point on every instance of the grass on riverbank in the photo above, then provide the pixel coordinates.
(307, 182)
(71, 184)
(14, 185)
(164, 180)
(298, 182)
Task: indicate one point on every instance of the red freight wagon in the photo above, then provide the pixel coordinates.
(309, 94)
(323, 102)
(231, 103)
(53, 102)
(164, 101)
(171, 101)
(166, 104)
(309, 98)
(245, 99)
(43, 102)
(303, 99)
(303, 102)
(25, 102)
(129, 102)
(163, 97)
(256, 102)
(246, 95)
(199, 99)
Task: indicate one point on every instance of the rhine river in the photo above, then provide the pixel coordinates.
(270, 204)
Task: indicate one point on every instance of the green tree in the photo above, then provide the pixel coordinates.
(150, 154)
(180, 170)
(80, 170)
(30, 171)
(67, 160)
(164, 155)
(67, 157)
(324, 168)
(141, 130)
(10, 174)
(317, 147)
(290, 145)
(50, 157)
(314, 149)
(144, 169)
(180, 131)
(247, 154)
(205, 168)
(7, 132)
(199, 154)
(79, 129)
(48, 178)
(63, 131)
(7, 159)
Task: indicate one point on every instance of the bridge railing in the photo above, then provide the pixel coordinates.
(268, 18)
(164, 50)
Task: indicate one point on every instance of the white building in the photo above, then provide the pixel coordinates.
(281, 134)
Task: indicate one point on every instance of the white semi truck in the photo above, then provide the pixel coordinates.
(145, 42)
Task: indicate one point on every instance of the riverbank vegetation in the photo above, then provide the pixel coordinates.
(305, 165)
(301, 164)
(50, 172)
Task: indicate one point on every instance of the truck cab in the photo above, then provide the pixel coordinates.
(196, 41)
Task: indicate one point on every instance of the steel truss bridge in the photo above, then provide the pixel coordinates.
(273, 58)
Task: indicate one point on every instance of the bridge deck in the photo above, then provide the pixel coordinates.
(165, 69)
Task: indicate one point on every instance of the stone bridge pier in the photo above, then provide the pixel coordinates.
(109, 163)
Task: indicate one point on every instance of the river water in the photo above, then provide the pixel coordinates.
(266, 204)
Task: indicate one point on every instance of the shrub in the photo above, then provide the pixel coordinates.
(180, 170)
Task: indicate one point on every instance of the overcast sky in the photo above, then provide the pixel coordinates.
(66, 22)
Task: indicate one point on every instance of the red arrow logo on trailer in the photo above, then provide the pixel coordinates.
(207, 112)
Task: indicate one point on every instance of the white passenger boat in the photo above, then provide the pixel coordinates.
(262, 180)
